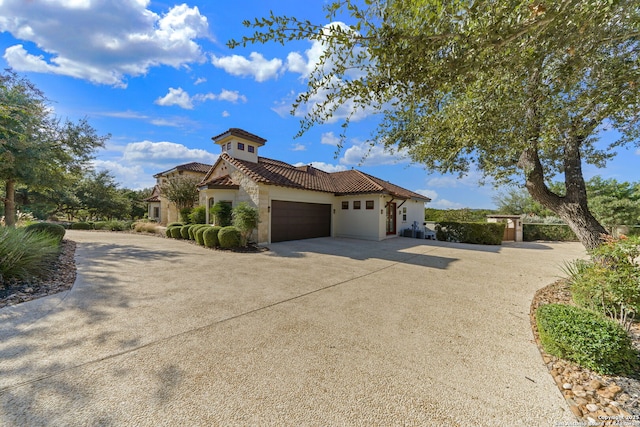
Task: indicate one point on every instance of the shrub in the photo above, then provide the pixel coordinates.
(222, 213)
(470, 232)
(585, 337)
(147, 227)
(245, 219)
(175, 224)
(184, 231)
(100, 225)
(192, 231)
(54, 230)
(176, 232)
(25, 254)
(168, 231)
(229, 237)
(81, 226)
(184, 215)
(198, 215)
(610, 281)
(199, 233)
(210, 237)
(552, 232)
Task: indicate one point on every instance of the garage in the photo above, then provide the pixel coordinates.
(297, 220)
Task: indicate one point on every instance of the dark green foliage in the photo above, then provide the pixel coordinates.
(54, 230)
(229, 237)
(610, 281)
(112, 225)
(185, 215)
(470, 232)
(245, 219)
(199, 233)
(168, 231)
(175, 224)
(222, 213)
(552, 232)
(25, 254)
(176, 232)
(184, 231)
(587, 338)
(81, 226)
(210, 237)
(198, 215)
(192, 231)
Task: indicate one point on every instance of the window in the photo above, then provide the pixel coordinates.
(251, 149)
(240, 146)
(356, 204)
(345, 205)
(156, 212)
(369, 204)
(228, 146)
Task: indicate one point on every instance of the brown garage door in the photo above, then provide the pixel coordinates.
(295, 220)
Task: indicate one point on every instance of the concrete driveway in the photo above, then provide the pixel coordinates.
(317, 332)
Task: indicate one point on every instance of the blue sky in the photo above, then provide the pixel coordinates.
(160, 79)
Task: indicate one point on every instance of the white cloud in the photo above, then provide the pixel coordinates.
(165, 153)
(366, 154)
(257, 66)
(176, 97)
(231, 96)
(327, 167)
(470, 179)
(133, 176)
(99, 41)
(445, 204)
(199, 80)
(182, 99)
(429, 193)
(328, 138)
(225, 113)
(299, 147)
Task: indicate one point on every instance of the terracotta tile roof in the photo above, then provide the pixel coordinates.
(220, 182)
(240, 133)
(155, 195)
(192, 167)
(275, 172)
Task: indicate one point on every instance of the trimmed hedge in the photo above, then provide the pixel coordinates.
(199, 233)
(81, 226)
(54, 230)
(175, 224)
(168, 231)
(184, 231)
(175, 232)
(587, 338)
(552, 232)
(229, 237)
(482, 233)
(210, 237)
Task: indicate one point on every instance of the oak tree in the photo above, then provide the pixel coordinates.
(518, 89)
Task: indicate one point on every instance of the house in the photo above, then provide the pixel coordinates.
(159, 208)
(300, 202)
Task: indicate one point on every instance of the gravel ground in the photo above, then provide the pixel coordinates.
(60, 278)
(591, 397)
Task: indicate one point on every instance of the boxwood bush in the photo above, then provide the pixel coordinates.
(552, 232)
(54, 230)
(481, 233)
(175, 224)
(229, 237)
(81, 226)
(199, 233)
(184, 231)
(587, 338)
(175, 232)
(210, 237)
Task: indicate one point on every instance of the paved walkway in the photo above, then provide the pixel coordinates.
(318, 332)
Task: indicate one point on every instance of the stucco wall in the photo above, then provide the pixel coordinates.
(360, 223)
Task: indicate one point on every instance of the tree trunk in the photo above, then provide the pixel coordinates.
(572, 208)
(9, 203)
